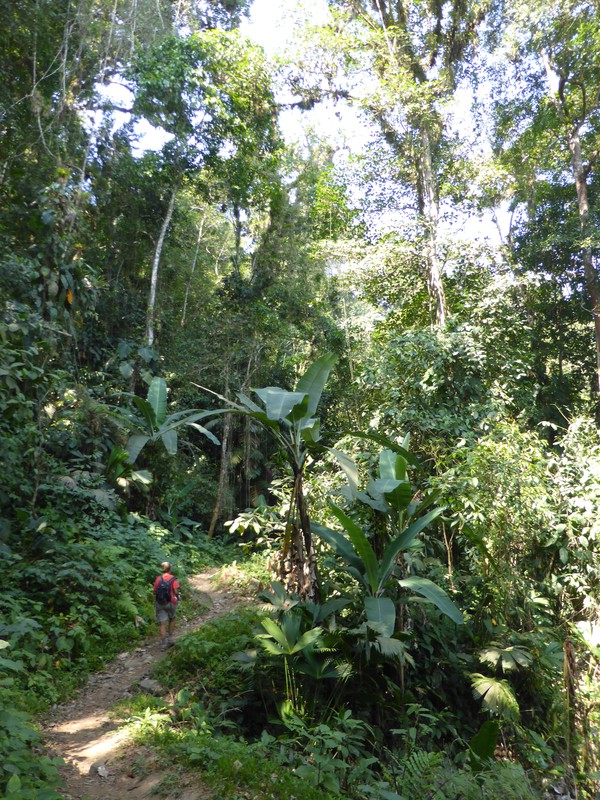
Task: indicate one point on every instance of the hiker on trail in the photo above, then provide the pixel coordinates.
(166, 597)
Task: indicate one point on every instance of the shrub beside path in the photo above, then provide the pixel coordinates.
(99, 760)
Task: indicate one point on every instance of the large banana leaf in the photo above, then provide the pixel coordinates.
(362, 547)
(397, 493)
(169, 439)
(147, 412)
(379, 438)
(310, 430)
(157, 398)
(204, 431)
(349, 467)
(279, 402)
(408, 535)
(135, 445)
(343, 548)
(433, 592)
(314, 379)
(392, 465)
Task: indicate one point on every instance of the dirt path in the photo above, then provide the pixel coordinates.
(99, 760)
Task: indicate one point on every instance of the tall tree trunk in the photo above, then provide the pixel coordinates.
(431, 214)
(194, 263)
(572, 128)
(224, 468)
(151, 311)
(223, 471)
(591, 276)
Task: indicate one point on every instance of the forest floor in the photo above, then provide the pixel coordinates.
(100, 761)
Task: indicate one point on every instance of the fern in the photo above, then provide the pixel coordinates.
(421, 776)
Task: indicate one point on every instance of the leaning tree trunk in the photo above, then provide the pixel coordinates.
(151, 311)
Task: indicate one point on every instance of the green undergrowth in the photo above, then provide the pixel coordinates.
(215, 726)
(81, 591)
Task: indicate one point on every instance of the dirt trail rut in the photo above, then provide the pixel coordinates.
(99, 761)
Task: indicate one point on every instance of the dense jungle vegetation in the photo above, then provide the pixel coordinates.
(361, 360)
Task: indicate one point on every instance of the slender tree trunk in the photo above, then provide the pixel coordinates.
(151, 312)
(591, 276)
(223, 470)
(431, 213)
(194, 263)
(580, 174)
(237, 222)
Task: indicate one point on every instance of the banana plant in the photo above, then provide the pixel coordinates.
(152, 423)
(390, 495)
(289, 416)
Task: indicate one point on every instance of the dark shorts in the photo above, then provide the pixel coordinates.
(163, 613)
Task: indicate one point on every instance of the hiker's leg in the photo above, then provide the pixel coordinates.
(170, 639)
(161, 618)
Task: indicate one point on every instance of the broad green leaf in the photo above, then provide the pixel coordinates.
(497, 696)
(311, 431)
(382, 612)
(433, 592)
(362, 547)
(392, 465)
(169, 439)
(142, 476)
(187, 415)
(279, 402)
(372, 498)
(147, 412)
(126, 370)
(373, 436)
(204, 431)
(135, 445)
(273, 629)
(341, 545)
(405, 539)
(299, 411)
(247, 402)
(307, 639)
(272, 647)
(385, 485)
(483, 744)
(314, 379)
(259, 416)
(157, 399)
(401, 542)
(349, 467)
(397, 493)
